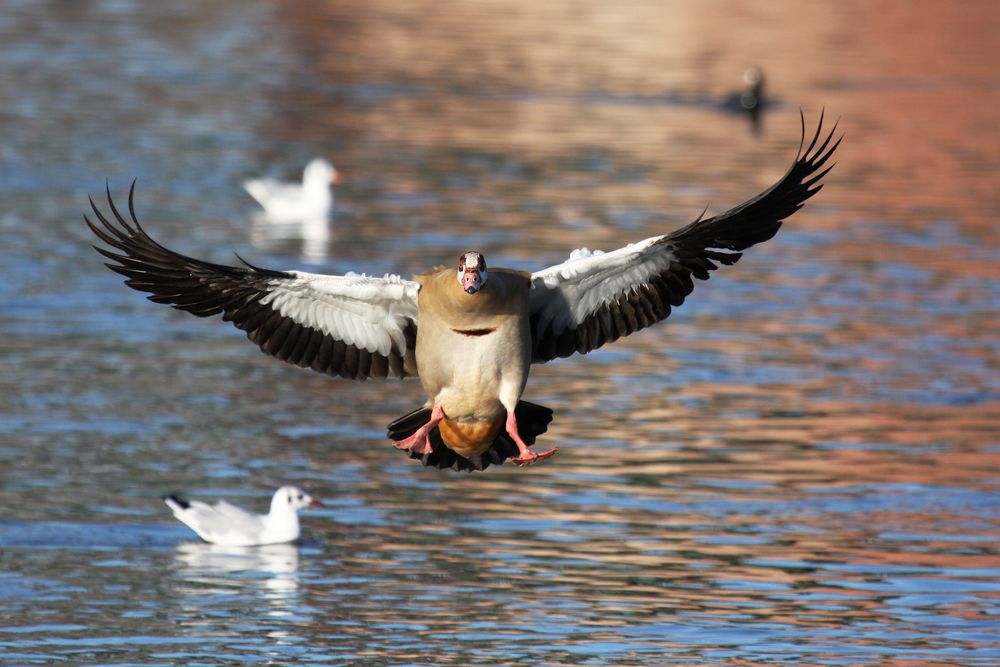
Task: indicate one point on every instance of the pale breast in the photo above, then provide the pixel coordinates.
(470, 348)
(465, 372)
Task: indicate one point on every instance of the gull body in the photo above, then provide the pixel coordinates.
(310, 200)
(228, 525)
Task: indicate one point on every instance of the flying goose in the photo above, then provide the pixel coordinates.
(226, 524)
(311, 199)
(470, 334)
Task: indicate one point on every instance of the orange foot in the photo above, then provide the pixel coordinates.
(524, 454)
(419, 442)
(527, 457)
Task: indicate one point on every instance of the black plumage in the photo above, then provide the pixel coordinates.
(236, 292)
(533, 420)
(698, 249)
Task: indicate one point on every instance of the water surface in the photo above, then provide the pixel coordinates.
(801, 466)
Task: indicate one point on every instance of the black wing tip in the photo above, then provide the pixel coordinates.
(811, 158)
(129, 236)
(259, 270)
(174, 498)
(131, 204)
(817, 153)
(248, 264)
(120, 226)
(802, 137)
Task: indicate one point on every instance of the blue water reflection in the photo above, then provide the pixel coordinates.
(799, 467)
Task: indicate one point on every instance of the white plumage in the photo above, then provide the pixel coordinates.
(228, 525)
(366, 312)
(312, 199)
(468, 335)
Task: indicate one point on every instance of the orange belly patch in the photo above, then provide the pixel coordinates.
(469, 438)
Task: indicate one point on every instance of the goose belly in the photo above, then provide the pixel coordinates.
(471, 376)
(471, 436)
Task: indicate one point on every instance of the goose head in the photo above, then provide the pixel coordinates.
(472, 272)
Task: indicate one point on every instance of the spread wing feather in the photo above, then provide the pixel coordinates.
(352, 326)
(594, 298)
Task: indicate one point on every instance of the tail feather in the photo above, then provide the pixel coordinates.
(532, 421)
(408, 424)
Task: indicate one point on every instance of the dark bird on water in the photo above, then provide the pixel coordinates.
(751, 101)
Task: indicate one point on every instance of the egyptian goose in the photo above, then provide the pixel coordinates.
(470, 334)
(229, 525)
(311, 199)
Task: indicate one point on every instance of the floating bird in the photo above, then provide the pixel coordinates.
(750, 98)
(470, 333)
(750, 101)
(293, 202)
(229, 525)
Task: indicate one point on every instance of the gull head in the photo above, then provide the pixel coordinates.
(321, 173)
(292, 498)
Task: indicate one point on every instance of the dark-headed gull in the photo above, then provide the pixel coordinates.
(229, 525)
(312, 199)
(470, 334)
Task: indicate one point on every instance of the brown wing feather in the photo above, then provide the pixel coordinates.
(694, 251)
(206, 289)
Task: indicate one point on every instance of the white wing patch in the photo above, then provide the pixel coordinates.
(366, 312)
(591, 278)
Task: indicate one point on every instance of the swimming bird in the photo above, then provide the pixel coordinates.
(292, 202)
(228, 525)
(750, 101)
(751, 98)
(470, 333)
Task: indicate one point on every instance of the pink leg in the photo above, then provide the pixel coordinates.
(526, 456)
(419, 443)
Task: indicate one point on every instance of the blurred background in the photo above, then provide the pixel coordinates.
(802, 465)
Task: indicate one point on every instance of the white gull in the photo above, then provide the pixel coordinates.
(289, 202)
(228, 525)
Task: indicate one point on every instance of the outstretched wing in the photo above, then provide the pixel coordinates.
(349, 326)
(594, 298)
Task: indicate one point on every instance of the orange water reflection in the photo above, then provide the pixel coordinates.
(800, 466)
(802, 494)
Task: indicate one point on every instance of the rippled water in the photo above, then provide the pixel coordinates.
(802, 466)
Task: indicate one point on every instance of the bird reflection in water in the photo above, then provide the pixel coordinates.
(310, 237)
(270, 572)
(295, 213)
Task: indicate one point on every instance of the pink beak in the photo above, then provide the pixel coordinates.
(471, 281)
(315, 503)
